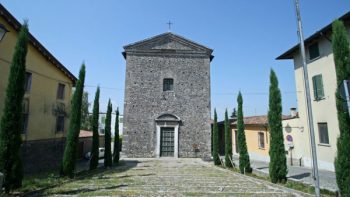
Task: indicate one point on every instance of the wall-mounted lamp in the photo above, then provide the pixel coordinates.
(3, 31)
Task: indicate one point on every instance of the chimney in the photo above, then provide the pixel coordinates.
(293, 112)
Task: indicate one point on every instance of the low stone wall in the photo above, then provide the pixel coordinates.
(42, 155)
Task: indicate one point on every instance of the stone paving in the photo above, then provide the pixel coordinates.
(301, 174)
(169, 177)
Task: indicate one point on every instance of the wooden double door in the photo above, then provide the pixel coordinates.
(167, 142)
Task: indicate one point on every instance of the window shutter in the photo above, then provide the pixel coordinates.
(320, 92)
(318, 87)
(314, 86)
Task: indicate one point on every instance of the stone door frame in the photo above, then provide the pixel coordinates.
(169, 121)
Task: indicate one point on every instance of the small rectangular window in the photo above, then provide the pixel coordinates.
(323, 133)
(314, 51)
(261, 140)
(103, 119)
(25, 115)
(60, 91)
(28, 82)
(318, 87)
(168, 84)
(60, 123)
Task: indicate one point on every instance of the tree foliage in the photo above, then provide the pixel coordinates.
(216, 140)
(278, 161)
(341, 52)
(234, 113)
(85, 116)
(95, 134)
(11, 120)
(244, 161)
(116, 151)
(108, 152)
(69, 157)
(228, 142)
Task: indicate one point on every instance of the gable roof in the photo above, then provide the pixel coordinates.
(320, 33)
(147, 44)
(36, 44)
(261, 120)
(84, 133)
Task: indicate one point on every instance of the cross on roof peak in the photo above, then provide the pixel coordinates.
(169, 24)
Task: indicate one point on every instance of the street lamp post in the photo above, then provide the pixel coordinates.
(3, 31)
(308, 102)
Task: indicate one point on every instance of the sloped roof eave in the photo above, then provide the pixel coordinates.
(17, 26)
(290, 53)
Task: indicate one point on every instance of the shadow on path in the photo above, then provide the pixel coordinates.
(124, 165)
(300, 176)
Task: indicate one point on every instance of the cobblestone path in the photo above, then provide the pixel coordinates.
(169, 177)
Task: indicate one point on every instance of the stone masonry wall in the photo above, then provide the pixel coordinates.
(145, 101)
(42, 155)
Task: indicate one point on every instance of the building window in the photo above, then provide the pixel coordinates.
(28, 82)
(323, 133)
(318, 87)
(103, 120)
(60, 91)
(25, 115)
(314, 51)
(261, 140)
(168, 84)
(60, 123)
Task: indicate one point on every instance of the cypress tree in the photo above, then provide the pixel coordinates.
(108, 152)
(244, 161)
(95, 134)
(216, 140)
(228, 142)
(116, 153)
(11, 124)
(85, 116)
(341, 52)
(69, 157)
(278, 162)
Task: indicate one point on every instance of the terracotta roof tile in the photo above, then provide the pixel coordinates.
(84, 133)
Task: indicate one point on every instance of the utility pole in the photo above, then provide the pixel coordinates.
(308, 102)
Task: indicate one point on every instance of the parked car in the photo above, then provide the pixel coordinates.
(101, 153)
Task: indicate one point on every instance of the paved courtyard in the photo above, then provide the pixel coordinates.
(169, 177)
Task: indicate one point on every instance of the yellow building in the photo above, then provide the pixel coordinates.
(46, 103)
(258, 137)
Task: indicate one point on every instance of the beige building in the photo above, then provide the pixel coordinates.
(46, 104)
(322, 82)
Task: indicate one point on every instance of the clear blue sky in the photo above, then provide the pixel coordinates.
(246, 35)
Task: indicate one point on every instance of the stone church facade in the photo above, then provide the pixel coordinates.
(167, 98)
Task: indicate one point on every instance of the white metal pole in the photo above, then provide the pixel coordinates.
(308, 102)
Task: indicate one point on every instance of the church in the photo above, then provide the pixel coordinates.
(167, 98)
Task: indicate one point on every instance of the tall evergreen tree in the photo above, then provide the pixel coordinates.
(244, 161)
(108, 152)
(278, 161)
(216, 140)
(116, 151)
(69, 157)
(234, 113)
(341, 52)
(95, 134)
(85, 116)
(228, 142)
(11, 124)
